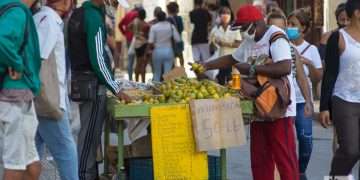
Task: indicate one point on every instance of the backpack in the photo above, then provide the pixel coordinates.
(77, 43)
(271, 95)
(83, 81)
(3, 9)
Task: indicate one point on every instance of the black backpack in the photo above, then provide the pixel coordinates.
(3, 9)
(77, 43)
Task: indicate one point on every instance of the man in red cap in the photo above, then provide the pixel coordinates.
(271, 142)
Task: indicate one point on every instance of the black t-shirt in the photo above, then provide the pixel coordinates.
(201, 19)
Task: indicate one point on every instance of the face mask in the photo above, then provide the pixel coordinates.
(293, 33)
(248, 36)
(225, 18)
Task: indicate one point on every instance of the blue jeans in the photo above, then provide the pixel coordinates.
(130, 68)
(57, 137)
(163, 59)
(304, 134)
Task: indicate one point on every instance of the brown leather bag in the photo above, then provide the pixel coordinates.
(271, 95)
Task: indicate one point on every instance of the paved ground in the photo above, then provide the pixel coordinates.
(239, 159)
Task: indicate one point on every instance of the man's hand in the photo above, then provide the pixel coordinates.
(324, 118)
(308, 109)
(122, 96)
(14, 75)
(199, 69)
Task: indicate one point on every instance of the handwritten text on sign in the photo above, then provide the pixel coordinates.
(173, 145)
(217, 123)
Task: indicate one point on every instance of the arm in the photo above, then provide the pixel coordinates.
(45, 27)
(95, 43)
(11, 38)
(221, 63)
(273, 70)
(315, 65)
(302, 80)
(331, 71)
(281, 57)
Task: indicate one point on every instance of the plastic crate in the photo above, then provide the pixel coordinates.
(214, 168)
(142, 169)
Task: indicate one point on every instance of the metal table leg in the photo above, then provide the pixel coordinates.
(106, 146)
(120, 148)
(223, 164)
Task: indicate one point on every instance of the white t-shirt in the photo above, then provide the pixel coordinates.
(50, 27)
(313, 55)
(280, 50)
(228, 36)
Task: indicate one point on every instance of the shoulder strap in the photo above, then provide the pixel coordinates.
(26, 34)
(307, 47)
(275, 36)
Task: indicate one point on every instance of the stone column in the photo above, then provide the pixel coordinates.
(329, 14)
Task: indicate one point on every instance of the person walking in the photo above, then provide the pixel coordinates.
(140, 30)
(19, 83)
(342, 21)
(272, 143)
(56, 133)
(90, 68)
(161, 36)
(279, 19)
(299, 23)
(226, 40)
(340, 91)
(201, 19)
(123, 26)
(177, 21)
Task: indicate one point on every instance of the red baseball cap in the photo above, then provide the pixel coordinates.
(247, 14)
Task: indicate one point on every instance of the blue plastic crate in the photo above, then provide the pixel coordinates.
(142, 169)
(214, 168)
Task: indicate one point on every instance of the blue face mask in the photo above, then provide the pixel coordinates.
(293, 33)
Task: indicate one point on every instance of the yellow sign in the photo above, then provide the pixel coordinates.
(173, 145)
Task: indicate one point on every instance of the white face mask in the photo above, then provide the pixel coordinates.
(246, 34)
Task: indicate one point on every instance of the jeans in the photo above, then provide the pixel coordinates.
(57, 136)
(130, 68)
(304, 134)
(163, 59)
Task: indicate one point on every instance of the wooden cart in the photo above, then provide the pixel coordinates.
(120, 112)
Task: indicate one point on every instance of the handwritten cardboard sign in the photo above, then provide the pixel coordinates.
(173, 145)
(217, 123)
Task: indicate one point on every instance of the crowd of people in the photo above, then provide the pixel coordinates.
(55, 54)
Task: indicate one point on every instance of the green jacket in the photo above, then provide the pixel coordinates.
(12, 31)
(94, 22)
